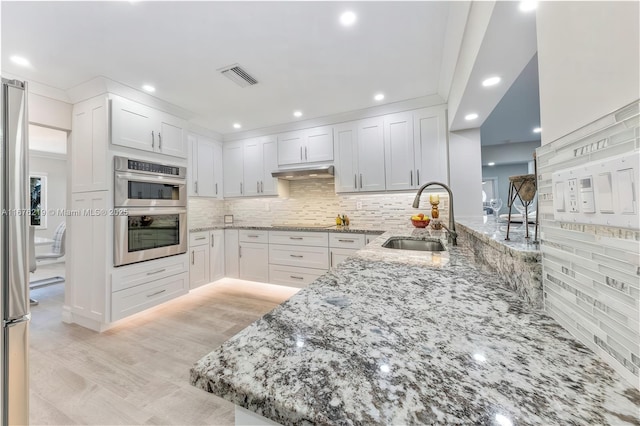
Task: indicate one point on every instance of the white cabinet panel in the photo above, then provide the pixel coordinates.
(293, 276)
(319, 239)
(171, 136)
(233, 169)
(346, 240)
(319, 144)
(339, 255)
(199, 266)
(253, 166)
(430, 145)
(399, 155)
(218, 175)
(205, 168)
(371, 162)
(89, 143)
(231, 253)
(269, 184)
(346, 160)
(216, 255)
(302, 256)
(254, 262)
(140, 273)
(133, 125)
(253, 236)
(290, 148)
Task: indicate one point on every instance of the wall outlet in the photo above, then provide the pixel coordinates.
(573, 195)
(358, 205)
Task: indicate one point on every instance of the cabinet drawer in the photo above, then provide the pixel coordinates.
(346, 240)
(198, 238)
(130, 276)
(128, 302)
(249, 236)
(339, 255)
(293, 276)
(319, 239)
(302, 256)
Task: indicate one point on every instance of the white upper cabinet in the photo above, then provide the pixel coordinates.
(255, 159)
(205, 167)
(305, 146)
(89, 144)
(371, 161)
(232, 153)
(430, 145)
(400, 167)
(140, 127)
(359, 147)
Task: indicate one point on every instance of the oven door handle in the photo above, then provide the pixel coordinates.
(145, 178)
(150, 211)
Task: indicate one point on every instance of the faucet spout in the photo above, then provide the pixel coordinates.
(453, 235)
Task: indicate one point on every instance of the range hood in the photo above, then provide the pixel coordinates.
(311, 172)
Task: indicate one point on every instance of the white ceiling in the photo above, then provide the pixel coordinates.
(299, 53)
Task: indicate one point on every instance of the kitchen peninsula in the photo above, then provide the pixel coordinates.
(401, 337)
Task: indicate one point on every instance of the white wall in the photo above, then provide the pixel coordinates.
(588, 61)
(502, 174)
(509, 153)
(465, 172)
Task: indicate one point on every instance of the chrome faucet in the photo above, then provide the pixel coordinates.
(453, 235)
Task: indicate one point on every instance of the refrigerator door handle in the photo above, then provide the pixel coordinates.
(15, 321)
(16, 195)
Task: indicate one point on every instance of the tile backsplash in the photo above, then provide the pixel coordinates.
(314, 202)
(591, 273)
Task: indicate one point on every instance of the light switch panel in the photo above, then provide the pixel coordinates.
(626, 194)
(587, 202)
(558, 197)
(604, 193)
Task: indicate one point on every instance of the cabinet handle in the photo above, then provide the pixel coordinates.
(347, 241)
(296, 256)
(241, 187)
(305, 152)
(200, 238)
(411, 175)
(360, 180)
(258, 186)
(296, 277)
(262, 187)
(196, 185)
(216, 188)
(355, 181)
(331, 260)
(253, 236)
(295, 238)
(212, 241)
(300, 152)
(193, 253)
(239, 251)
(418, 174)
(156, 293)
(153, 140)
(156, 272)
(159, 140)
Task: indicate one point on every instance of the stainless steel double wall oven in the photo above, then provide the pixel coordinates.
(151, 202)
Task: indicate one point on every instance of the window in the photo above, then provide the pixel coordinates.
(38, 200)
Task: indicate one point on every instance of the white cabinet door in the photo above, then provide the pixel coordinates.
(346, 159)
(339, 255)
(290, 148)
(231, 253)
(430, 138)
(192, 165)
(205, 168)
(89, 169)
(133, 125)
(371, 166)
(198, 266)
(399, 157)
(233, 169)
(253, 166)
(254, 262)
(318, 144)
(171, 136)
(216, 255)
(217, 170)
(269, 184)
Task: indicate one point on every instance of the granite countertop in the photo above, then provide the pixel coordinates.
(494, 233)
(296, 227)
(403, 337)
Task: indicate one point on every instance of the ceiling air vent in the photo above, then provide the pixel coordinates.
(239, 76)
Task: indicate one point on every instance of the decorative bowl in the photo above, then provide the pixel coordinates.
(420, 223)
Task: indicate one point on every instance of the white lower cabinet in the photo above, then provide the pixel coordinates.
(293, 276)
(216, 255)
(254, 255)
(302, 256)
(137, 287)
(231, 253)
(342, 246)
(198, 259)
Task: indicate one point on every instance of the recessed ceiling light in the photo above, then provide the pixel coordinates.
(471, 116)
(528, 5)
(491, 164)
(148, 88)
(491, 81)
(297, 113)
(236, 125)
(379, 96)
(19, 60)
(537, 130)
(348, 18)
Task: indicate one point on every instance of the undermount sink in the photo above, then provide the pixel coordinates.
(403, 243)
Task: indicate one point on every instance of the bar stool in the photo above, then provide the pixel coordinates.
(522, 187)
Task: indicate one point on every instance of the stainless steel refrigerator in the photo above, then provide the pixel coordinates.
(14, 273)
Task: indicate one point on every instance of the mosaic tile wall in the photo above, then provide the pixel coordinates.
(314, 202)
(205, 212)
(591, 273)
